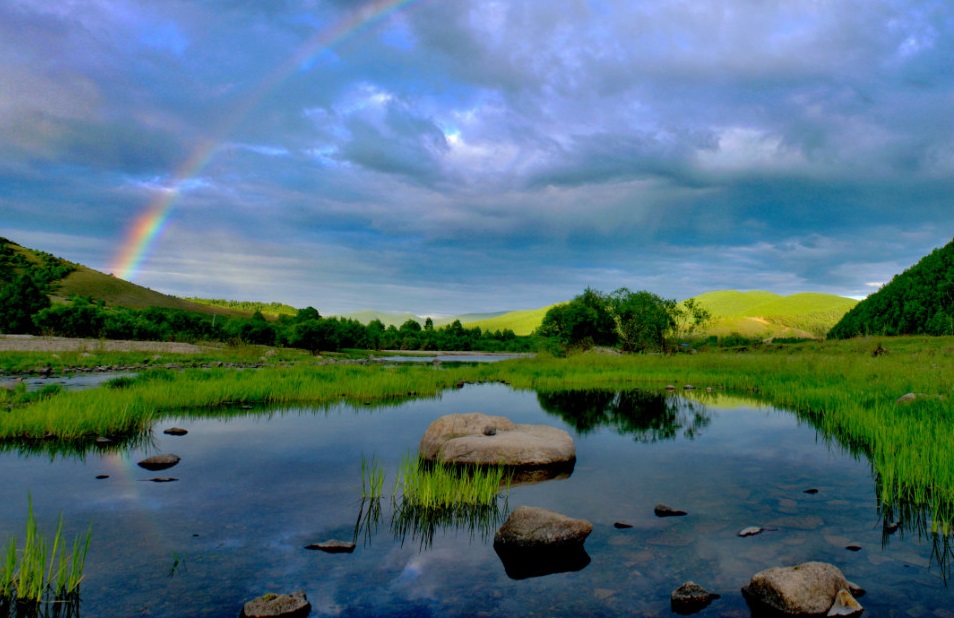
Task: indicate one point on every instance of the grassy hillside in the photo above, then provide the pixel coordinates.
(520, 322)
(755, 314)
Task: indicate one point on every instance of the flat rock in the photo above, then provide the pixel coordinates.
(333, 546)
(163, 479)
(481, 439)
(807, 589)
(160, 462)
(690, 598)
(663, 510)
(753, 530)
(294, 605)
(176, 431)
(621, 525)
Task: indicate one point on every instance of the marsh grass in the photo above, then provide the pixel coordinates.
(42, 573)
(372, 477)
(437, 485)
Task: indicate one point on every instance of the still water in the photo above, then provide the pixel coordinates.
(253, 490)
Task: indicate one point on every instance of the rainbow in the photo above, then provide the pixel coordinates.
(148, 227)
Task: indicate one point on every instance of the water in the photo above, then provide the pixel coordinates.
(253, 491)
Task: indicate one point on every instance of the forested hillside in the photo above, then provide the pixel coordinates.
(919, 301)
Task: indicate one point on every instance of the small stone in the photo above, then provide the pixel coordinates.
(490, 430)
(891, 527)
(621, 525)
(688, 387)
(333, 546)
(176, 431)
(163, 479)
(853, 547)
(663, 510)
(845, 605)
(690, 598)
(670, 387)
(753, 530)
(102, 476)
(101, 441)
(908, 398)
(159, 462)
(294, 605)
(813, 491)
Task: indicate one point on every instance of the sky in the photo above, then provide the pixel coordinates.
(454, 156)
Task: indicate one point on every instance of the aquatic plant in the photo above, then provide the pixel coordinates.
(43, 573)
(372, 477)
(440, 485)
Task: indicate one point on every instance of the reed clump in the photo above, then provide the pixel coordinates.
(41, 572)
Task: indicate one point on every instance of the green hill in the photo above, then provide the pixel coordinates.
(520, 322)
(919, 301)
(67, 279)
(756, 314)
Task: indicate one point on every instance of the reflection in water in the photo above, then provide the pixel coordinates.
(523, 563)
(416, 523)
(63, 608)
(644, 415)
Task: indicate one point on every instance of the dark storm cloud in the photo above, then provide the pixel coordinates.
(482, 155)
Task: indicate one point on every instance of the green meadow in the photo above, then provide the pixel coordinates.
(843, 388)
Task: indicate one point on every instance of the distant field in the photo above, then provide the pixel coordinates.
(520, 322)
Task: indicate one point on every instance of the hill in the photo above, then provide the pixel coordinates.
(763, 315)
(520, 322)
(68, 279)
(919, 301)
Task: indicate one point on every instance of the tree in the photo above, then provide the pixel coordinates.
(644, 320)
(585, 321)
(20, 300)
(691, 318)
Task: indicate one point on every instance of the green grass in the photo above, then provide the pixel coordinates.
(372, 478)
(446, 486)
(43, 572)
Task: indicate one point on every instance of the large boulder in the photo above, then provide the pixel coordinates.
(534, 542)
(809, 589)
(488, 440)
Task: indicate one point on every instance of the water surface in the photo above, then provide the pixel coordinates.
(253, 490)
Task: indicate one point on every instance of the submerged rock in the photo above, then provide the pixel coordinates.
(753, 530)
(294, 605)
(622, 525)
(663, 510)
(333, 546)
(690, 597)
(808, 589)
(176, 431)
(464, 439)
(159, 462)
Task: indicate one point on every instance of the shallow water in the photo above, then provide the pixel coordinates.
(253, 491)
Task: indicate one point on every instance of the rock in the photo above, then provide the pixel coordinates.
(159, 462)
(176, 431)
(294, 605)
(101, 441)
(908, 398)
(460, 438)
(670, 387)
(490, 430)
(663, 510)
(891, 527)
(530, 526)
(333, 546)
(622, 525)
(853, 547)
(102, 476)
(163, 479)
(534, 542)
(807, 589)
(845, 605)
(690, 597)
(688, 387)
(813, 490)
(753, 530)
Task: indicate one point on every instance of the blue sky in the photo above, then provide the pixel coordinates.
(463, 156)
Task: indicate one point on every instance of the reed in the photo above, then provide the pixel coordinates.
(43, 573)
(445, 486)
(372, 477)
